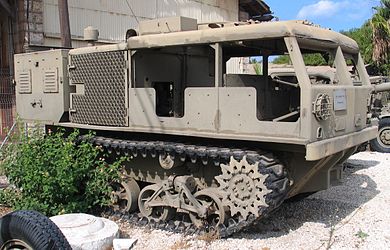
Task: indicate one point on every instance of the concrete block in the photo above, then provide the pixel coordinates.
(36, 18)
(36, 37)
(37, 6)
(124, 244)
(87, 232)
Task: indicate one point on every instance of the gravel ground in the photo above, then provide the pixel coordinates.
(355, 214)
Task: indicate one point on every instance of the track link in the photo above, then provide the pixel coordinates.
(277, 180)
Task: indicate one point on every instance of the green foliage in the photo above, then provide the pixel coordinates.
(373, 38)
(9, 196)
(258, 69)
(315, 59)
(380, 24)
(362, 235)
(363, 36)
(57, 174)
(284, 59)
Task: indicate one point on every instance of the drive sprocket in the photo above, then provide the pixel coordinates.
(243, 187)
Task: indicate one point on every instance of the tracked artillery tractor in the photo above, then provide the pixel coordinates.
(209, 146)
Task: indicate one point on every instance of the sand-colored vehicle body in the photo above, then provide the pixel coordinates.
(170, 83)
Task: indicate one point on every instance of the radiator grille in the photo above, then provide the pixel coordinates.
(103, 75)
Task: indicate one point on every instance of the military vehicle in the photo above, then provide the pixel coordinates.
(209, 147)
(380, 113)
(379, 106)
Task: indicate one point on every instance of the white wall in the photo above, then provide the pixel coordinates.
(114, 17)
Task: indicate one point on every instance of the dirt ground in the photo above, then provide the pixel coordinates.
(4, 210)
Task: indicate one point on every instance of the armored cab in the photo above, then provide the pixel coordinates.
(220, 148)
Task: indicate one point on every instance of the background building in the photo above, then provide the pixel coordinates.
(31, 25)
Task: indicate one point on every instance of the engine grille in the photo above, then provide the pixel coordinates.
(104, 99)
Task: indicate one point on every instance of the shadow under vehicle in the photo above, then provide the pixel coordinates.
(219, 148)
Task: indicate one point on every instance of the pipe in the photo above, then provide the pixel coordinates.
(8, 135)
(382, 87)
(66, 39)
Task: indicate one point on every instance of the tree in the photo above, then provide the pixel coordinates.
(363, 36)
(380, 24)
(373, 38)
(284, 59)
(315, 59)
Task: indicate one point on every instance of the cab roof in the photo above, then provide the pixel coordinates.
(302, 30)
(309, 37)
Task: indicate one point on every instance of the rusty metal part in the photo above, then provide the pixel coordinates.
(243, 187)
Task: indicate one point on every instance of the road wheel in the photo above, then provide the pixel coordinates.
(158, 213)
(30, 230)
(382, 141)
(125, 195)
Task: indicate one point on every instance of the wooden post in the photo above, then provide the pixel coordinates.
(66, 39)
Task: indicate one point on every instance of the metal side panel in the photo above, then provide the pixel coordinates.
(321, 149)
(237, 106)
(42, 86)
(101, 88)
(199, 115)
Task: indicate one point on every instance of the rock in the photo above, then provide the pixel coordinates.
(84, 231)
(124, 244)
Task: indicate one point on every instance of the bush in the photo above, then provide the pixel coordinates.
(54, 175)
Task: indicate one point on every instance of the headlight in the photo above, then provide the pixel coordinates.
(322, 107)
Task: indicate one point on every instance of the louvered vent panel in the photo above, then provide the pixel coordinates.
(50, 81)
(24, 83)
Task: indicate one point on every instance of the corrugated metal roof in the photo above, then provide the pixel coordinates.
(114, 17)
(255, 7)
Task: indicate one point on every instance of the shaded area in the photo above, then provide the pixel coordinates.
(254, 7)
